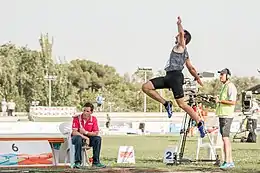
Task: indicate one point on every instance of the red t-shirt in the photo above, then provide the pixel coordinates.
(90, 124)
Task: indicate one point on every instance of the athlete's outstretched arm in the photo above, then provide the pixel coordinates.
(181, 33)
(193, 71)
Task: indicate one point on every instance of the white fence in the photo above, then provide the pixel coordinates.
(56, 111)
(156, 120)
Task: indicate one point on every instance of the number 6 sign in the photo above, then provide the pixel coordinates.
(169, 155)
(14, 148)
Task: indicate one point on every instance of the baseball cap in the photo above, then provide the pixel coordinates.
(225, 71)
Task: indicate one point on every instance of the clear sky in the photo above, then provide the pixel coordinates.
(131, 33)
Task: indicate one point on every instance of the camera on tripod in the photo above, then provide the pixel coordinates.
(192, 92)
(250, 106)
(190, 86)
(247, 102)
(190, 89)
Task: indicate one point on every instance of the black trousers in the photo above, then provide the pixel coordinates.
(95, 143)
(10, 112)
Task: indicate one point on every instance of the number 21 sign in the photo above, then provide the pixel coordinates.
(169, 155)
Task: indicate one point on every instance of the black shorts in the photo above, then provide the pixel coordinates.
(225, 126)
(173, 80)
(98, 105)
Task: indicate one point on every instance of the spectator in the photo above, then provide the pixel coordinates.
(193, 122)
(108, 121)
(4, 107)
(201, 112)
(85, 130)
(202, 115)
(205, 113)
(11, 107)
(100, 101)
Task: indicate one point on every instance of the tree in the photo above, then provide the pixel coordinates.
(22, 73)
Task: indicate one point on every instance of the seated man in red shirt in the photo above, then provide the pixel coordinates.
(85, 127)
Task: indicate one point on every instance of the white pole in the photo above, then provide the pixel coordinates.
(144, 93)
(145, 79)
(160, 103)
(50, 78)
(49, 92)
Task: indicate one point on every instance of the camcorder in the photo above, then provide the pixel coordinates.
(192, 91)
(190, 86)
(249, 103)
(250, 106)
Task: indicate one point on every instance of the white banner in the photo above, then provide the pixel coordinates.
(29, 128)
(45, 111)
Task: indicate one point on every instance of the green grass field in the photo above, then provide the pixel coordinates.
(149, 155)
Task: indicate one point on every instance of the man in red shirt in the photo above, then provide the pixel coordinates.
(85, 127)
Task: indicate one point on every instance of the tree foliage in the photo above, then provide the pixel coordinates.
(23, 71)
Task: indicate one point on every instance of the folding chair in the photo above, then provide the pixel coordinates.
(215, 142)
(66, 130)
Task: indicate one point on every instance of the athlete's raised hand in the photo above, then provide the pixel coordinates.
(178, 20)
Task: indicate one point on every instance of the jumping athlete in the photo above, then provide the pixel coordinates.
(174, 78)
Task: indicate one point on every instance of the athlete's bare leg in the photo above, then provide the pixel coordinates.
(149, 89)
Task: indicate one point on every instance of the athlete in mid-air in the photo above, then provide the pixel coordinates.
(174, 78)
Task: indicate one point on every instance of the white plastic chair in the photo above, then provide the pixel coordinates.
(65, 129)
(216, 143)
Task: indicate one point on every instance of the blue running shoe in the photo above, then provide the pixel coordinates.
(168, 107)
(202, 129)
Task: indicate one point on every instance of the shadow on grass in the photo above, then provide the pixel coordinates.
(164, 170)
(149, 160)
(172, 140)
(114, 160)
(234, 170)
(132, 169)
(246, 149)
(156, 165)
(190, 140)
